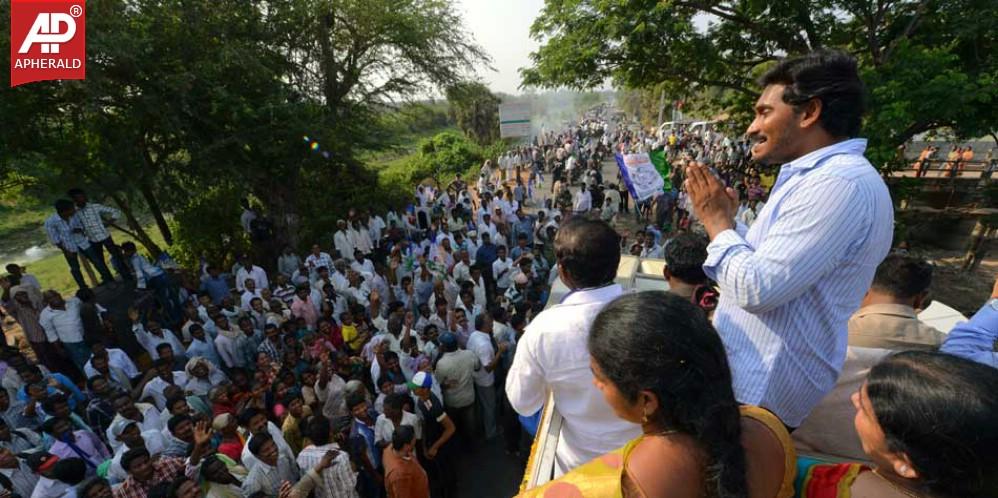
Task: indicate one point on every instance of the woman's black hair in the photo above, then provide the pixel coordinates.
(942, 412)
(660, 342)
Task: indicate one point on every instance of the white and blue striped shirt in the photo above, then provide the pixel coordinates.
(790, 283)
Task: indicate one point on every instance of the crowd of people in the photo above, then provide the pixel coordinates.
(376, 365)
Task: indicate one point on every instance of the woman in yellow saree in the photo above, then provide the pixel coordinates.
(661, 364)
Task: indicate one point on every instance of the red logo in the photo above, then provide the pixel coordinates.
(48, 40)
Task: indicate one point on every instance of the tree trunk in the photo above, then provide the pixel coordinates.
(977, 249)
(133, 223)
(157, 211)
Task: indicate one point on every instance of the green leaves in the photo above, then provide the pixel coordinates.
(927, 64)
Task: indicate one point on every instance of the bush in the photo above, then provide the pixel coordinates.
(208, 226)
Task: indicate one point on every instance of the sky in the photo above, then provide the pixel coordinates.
(502, 29)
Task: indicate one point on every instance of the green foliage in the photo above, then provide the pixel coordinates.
(188, 101)
(475, 110)
(927, 64)
(437, 158)
(208, 226)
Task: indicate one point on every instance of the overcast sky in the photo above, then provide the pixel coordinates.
(502, 28)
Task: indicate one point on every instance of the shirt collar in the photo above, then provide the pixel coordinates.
(814, 158)
(597, 295)
(900, 310)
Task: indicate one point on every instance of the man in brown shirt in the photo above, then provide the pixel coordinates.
(404, 477)
(886, 322)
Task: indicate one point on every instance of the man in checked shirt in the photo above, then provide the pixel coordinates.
(90, 215)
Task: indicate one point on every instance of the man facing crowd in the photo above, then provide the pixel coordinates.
(553, 353)
(789, 284)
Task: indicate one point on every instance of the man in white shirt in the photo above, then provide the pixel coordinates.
(159, 378)
(462, 269)
(552, 355)
(249, 270)
(480, 343)
(487, 226)
(152, 335)
(318, 259)
(502, 270)
(341, 240)
(249, 292)
(583, 201)
(64, 328)
(116, 358)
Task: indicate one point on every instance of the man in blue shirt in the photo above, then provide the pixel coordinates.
(487, 254)
(790, 282)
(977, 339)
(214, 285)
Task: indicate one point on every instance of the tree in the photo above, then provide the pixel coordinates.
(928, 64)
(475, 110)
(189, 102)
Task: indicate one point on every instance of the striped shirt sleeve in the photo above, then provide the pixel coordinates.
(801, 246)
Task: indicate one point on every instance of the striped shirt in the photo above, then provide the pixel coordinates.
(339, 480)
(790, 283)
(91, 220)
(60, 233)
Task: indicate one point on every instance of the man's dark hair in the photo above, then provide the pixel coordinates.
(480, 320)
(177, 420)
(396, 400)
(684, 257)
(403, 436)
(63, 205)
(132, 455)
(257, 441)
(48, 404)
(128, 246)
(355, 399)
(173, 400)
(830, 76)
(318, 430)
(589, 251)
(903, 276)
(247, 414)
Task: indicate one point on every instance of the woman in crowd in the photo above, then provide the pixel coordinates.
(928, 423)
(660, 364)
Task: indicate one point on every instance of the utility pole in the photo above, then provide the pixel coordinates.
(661, 108)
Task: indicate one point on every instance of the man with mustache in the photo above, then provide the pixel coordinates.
(790, 283)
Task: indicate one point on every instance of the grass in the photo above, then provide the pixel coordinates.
(53, 271)
(21, 222)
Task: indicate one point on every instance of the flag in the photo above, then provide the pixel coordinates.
(662, 166)
(642, 179)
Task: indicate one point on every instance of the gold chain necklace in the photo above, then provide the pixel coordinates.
(896, 486)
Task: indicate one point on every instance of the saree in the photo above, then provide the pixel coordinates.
(601, 477)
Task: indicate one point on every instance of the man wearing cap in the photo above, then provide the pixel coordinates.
(131, 437)
(518, 292)
(438, 432)
(553, 355)
(455, 371)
